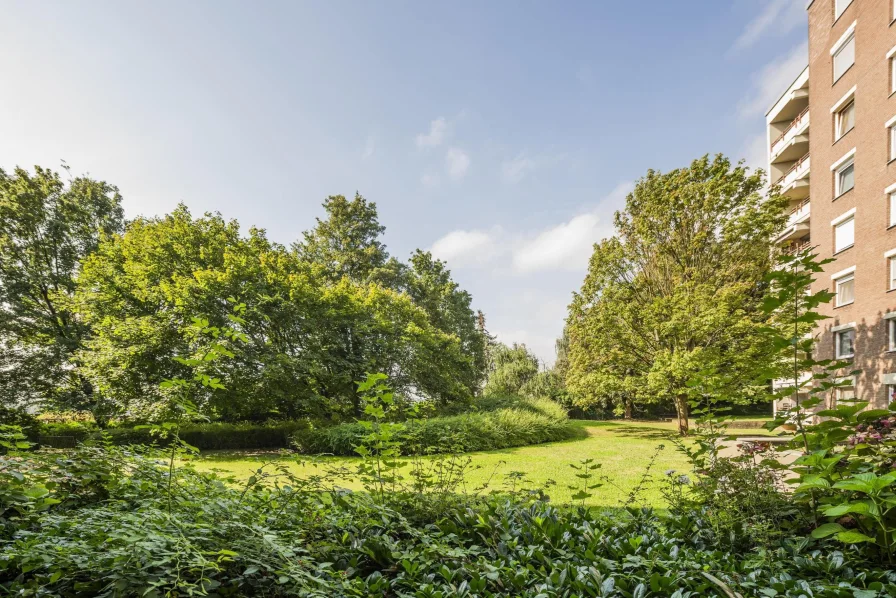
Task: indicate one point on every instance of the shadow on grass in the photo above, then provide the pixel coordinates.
(628, 430)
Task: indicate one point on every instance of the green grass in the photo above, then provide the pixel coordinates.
(623, 450)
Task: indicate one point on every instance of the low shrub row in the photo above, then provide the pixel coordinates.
(511, 423)
(209, 436)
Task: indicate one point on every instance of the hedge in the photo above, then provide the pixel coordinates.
(530, 421)
(211, 436)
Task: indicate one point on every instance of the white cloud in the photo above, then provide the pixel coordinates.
(437, 131)
(515, 169)
(776, 17)
(468, 247)
(429, 179)
(771, 81)
(369, 147)
(457, 162)
(567, 246)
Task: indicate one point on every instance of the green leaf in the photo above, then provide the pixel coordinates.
(827, 529)
(853, 537)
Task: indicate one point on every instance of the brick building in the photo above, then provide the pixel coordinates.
(846, 208)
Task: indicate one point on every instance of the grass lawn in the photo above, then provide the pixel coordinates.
(623, 449)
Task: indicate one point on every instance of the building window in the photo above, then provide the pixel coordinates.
(892, 74)
(893, 208)
(845, 119)
(892, 131)
(844, 178)
(844, 343)
(892, 262)
(844, 234)
(845, 394)
(844, 56)
(845, 290)
(839, 7)
(891, 334)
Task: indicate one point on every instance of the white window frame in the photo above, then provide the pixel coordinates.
(838, 120)
(838, 279)
(891, 334)
(890, 194)
(891, 57)
(891, 133)
(838, 330)
(838, 222)
(839, 7)
(890, 256)
(848, 36)
(848, 159)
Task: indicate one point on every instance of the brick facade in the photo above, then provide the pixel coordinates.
(875, 36)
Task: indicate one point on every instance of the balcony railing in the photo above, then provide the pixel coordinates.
(798, 211)
(791, 173)
(795, 248)
(793, 124)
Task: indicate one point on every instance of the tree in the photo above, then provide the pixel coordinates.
(429, 284)
(47, 227)
(677, 293)
(346, 243)
(510, 369)
(309, 336)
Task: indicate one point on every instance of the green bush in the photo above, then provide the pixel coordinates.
(215, 436)
(500, 423)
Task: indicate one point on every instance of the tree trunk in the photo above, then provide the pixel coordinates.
(681, 408)
(628, 408)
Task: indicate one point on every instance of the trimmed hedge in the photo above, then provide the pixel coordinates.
(529, 421)
(210, 436)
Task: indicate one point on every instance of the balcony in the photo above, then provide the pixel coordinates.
(792, 101)
(795, 182)
(788, 382)
(793, 141)
(797, 246)
(797, 222)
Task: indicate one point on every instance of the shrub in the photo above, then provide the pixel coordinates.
(527, 421)
(214, 436)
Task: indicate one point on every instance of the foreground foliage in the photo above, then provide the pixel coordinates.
(98, 523)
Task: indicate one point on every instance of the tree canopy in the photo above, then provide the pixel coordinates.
(678, 291)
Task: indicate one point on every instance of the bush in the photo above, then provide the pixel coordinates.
(215, 436)
(500, 423)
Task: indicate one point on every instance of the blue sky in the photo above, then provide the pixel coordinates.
(502, 135)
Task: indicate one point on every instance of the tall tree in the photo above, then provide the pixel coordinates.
(677, 292)
(430, 286)
(510, 369)
(47, 227)
(347, 242)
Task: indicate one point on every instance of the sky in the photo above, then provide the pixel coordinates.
(500, 135)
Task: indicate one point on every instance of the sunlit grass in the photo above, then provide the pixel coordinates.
(623, 450)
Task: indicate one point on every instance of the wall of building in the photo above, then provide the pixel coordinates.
(875, 36)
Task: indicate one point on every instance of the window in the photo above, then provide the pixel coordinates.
(845, 289)
(892, 262)
(893, 208)
(845, 119)
(891, 334)
(844, 56)
(892, 131)
(844, 178)
(839, 7)
(845, 394)
(892, 74)
(844, 234)
(844, 343)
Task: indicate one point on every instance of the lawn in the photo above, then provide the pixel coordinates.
(622, 449)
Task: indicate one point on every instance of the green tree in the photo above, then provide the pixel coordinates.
(308, 336)
(347, 242)
(430, 286)
(47, 227)
(510, 369)
(677, 292)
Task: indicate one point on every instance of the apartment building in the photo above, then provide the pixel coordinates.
(846, 208)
